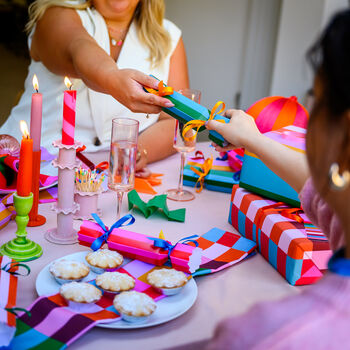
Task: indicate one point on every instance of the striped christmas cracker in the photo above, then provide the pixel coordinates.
(68, 125)
(285, 243)
(185, 109)
(220, 177)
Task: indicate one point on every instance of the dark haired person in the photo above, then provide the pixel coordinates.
(319, 317)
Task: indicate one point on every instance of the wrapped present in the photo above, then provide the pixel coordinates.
(276, 112)
(286, 238)
(138, 246)
(214, 175)
(186, 110)
(258, 178)
(235, 159)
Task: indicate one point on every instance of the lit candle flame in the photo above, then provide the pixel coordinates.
(24, 129)
(67, 82)
(35, 83)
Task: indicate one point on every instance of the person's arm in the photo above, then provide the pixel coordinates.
(157, 140)
(63, 45)
(242, 131)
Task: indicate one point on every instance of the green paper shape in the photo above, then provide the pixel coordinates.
(155, 203)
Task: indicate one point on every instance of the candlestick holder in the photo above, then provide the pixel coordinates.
(21, 248)
(65, 206)
(36, 219)
(88, 202)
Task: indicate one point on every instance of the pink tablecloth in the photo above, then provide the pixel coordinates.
(229, 292)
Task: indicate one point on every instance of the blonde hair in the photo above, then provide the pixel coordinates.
(148, 17)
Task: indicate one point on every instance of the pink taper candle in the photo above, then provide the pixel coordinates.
(36, 116)
(68, 126)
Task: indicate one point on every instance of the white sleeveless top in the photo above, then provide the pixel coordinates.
(94, 110)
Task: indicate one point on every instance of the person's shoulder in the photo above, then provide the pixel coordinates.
(172, 28)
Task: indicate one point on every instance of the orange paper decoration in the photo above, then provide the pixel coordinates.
(276, 112)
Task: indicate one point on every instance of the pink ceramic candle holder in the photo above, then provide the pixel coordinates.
(65, 207)
(88, 204)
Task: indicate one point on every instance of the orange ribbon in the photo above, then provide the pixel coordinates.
(290, 213)
(163, 90)
(205, 168)
(197, 124)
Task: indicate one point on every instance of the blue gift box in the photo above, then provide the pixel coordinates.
(258, 178)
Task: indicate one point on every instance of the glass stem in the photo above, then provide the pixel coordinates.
(183, 160)
(119, 203)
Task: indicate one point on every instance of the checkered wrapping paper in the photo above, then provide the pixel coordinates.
(8, 295)
(298, 251)
(221, 177)
(222, 249)
(53, 325)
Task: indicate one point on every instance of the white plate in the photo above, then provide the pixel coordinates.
(168, 308)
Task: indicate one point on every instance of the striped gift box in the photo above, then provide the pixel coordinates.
(298, 251)
(257, 177)
(185, 110)
(8, 295)
(220, 178)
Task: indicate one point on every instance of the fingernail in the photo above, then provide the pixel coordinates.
(169, 104)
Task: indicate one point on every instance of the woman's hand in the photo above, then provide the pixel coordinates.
(241, 131)
(127, 88)
(141, 158)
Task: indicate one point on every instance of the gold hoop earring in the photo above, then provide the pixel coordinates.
(338, 182)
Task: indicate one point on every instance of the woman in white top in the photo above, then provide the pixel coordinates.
(108, 48)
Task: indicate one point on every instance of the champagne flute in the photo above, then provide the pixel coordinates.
(122, 158)
(184, 146)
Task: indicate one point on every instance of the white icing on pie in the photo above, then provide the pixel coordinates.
(166, 278)
(80, 292)
(115, 281)
(134, 304)
(69, 269)
(104, 258)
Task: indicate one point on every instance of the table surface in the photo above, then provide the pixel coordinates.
(226, 293)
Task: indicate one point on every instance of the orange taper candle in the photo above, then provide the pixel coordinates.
(24, 177)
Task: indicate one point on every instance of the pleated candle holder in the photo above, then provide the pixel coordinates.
(88, 203)
(65, 206)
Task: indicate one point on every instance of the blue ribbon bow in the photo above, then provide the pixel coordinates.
(162, 243)
(98, 242)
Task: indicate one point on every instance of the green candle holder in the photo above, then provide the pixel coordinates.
(21, 248)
